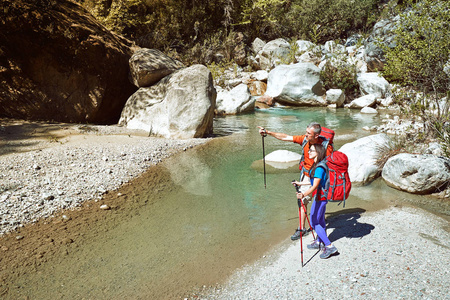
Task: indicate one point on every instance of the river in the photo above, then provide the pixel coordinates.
(195, 218)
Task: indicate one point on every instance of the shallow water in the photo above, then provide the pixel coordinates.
(211, 215)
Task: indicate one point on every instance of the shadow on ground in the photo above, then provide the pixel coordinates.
(345, 224)
(23, 136)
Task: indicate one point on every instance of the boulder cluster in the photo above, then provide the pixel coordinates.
(172, 101)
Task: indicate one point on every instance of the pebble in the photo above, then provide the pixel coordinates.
(41, 182)
(104, 207)
(420, 272)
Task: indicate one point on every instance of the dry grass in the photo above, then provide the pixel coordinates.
(389, 149)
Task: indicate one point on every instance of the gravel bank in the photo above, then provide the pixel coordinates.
(399, 253)
(41, 174)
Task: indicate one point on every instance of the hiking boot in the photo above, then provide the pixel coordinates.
(328, 251)
(296, 234)
(315, 245)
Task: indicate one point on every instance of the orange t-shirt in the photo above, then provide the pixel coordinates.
(308, 162)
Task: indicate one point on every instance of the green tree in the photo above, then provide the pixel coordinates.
(417, 61)
(331, 19)
(422, 48)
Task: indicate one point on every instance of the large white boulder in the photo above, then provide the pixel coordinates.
(418, 174)
(373, 83)
(362, 157)
(178, 106)
(336, 97)
(237, 100)
(297, 84)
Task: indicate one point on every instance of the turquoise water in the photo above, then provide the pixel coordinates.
(214, 216)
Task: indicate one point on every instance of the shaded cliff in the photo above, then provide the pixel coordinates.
(58, 63)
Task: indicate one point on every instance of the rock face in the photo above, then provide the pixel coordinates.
(418, 174)
(58, 63)
(180, 105)
(383, 32)
(148, 66)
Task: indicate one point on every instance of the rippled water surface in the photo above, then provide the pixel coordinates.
(213, 216)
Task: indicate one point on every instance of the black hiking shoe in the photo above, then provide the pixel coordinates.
(296, 234)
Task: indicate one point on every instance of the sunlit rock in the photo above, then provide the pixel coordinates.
(180, 105)
(297, 84)
(373, 83)
(237, 100)
(418, 174)
(362, 155)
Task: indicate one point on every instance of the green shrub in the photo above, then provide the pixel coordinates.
(417, 62)
(340, 75)
(422, 48)
(324, 20)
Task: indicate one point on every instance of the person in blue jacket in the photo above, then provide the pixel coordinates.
(318, 177)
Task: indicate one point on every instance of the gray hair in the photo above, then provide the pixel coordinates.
(316, 126)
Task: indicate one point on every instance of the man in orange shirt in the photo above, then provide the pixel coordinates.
(312, 136)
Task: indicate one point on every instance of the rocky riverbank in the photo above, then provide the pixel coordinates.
(398, 253)
(45, 168)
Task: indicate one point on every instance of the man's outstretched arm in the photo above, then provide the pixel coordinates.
(277, 135)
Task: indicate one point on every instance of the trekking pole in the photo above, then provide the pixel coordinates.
(301, 231)
(297, 188)
(264, 157)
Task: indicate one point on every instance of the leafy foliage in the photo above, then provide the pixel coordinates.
(323, 20)
(182, 25)
(417, 62)
(422, 48)
(340, 75)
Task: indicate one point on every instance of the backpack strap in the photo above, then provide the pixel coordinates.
(319, 192)
(323, 164)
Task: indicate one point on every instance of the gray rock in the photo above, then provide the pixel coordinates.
(272, 53)
(148, 66)
(336, 96)
(235, 101)
(297, 84)
(364, 101)
(418, 174)
(375, 84)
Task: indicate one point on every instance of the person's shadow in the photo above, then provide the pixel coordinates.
(345, 224)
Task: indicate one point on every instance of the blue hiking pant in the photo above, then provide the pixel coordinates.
(318, 221)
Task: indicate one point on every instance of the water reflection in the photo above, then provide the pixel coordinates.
(191, 174)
